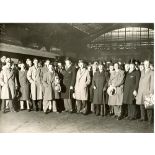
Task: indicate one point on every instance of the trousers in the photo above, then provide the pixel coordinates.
(82, 106)
(68, 104)
(37, 105)
(146, 113)
(99, 109)
(132, 110)
(10, 103)
(117, 110)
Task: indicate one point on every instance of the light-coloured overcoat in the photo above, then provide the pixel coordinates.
(48, 82)
(81, 85)
(35, 77)
(8, 81)
(117, 79)
(146, 86)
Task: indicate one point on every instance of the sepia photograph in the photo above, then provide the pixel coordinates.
(77, 77)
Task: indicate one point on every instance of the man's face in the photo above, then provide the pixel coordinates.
(35, 62)
(60, 65)
(22, 66)
(116, 66)
(111, 68)
(50, 68)
(132, 67)
(94, 67)
(127, 66)
(47, 62)
(100, 67)
(67, 62)
(3, 59)
(30, 63)
(8, 65)
(146, 64)
(81, 65)
(141, 67)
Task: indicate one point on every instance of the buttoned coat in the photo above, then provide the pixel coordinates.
(35, 77)
(68, 79)
(8, 81)
(100, 82)
(24, 86)
(117, 80)
(146, 86)
(81, 85)
(131, 83)
(48, 82)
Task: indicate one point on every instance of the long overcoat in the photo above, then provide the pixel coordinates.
(131, 84)
(146, 86)
(24, 86)
(8, 81)
(100, 82)
(48, 82)
(35, 77)
(117, 79)
(81, 86)
(68, 79)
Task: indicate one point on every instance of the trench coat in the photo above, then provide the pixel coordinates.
(101, 83)
(35, 76)
(146, 86)
(68, 79)
(24, 86)
(48, 82)
(116, 79)
(8, 81)
(81, 86)
(131, 84)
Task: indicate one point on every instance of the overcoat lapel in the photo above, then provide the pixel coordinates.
(9, 73)
(51, 77)
(81, 73)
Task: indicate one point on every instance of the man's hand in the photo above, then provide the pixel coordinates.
(135, 93)
(71, 87)
(94, 87)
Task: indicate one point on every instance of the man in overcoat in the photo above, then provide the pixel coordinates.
(130, 90)
(146, 87)
(81, 88)
(69, 75)
(35, 77)
(9, 84)
(100, 83)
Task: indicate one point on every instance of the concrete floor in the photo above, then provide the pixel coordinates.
(38, 122)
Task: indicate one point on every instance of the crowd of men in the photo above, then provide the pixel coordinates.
(113, 89)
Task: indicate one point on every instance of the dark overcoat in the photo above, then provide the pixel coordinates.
(131, 84)
(100, 81)
(24, 86)
(90, 88)
(68, 79)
